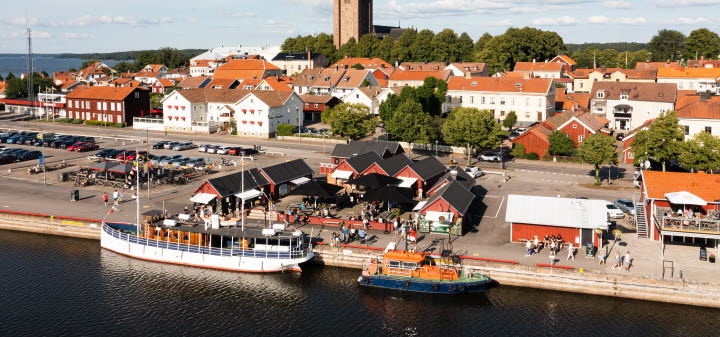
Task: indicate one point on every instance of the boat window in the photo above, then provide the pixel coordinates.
(394, 264)
(409, 265)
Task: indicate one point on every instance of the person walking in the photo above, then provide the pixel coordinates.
(618, 260)
(105, 198)
(627, 261)
(115, 196)
(602, 257)
(528, 248)
(571, 251)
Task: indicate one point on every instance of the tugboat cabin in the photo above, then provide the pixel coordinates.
(411, 264)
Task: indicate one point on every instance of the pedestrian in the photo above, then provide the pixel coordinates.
(396, 226)
(537, 244)
(346, 235)
(627, 261)
(115, 196)
(553, 245)
(602, 257)
(618, 260)
(571, 252)
(528, 248)
(105, 198)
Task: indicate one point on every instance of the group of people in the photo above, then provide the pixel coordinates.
(621, 261)
(553, 243)
(349, 234)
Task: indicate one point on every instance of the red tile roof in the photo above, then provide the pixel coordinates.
(701, 110)
(538, 66)
(193, 82)
(657, 184)
(688, 97)
(713, 73)
(566, 101)
(221, 83)
(500, 84)
(405, 75)
(96, 92)
(279, 83)
(647, 66)
(422, 66)
(165, 82)
(567, 59)
(244, 69)
(372, 63)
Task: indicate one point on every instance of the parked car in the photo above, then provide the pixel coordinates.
(114, 153)
(38, 142)
(65, 144)
(103, 153)
(474, 171)
(626, 205)
(183, 146)
(86, 139)
(19, 152)
(196, 163)
(212, 149)
(234, 150)
(204, 147)
(7, 159)
(222, 150)
(490, 156)
(180, 162)
(29, 155)
(74, 146)
(513, 135)
(155, 161)
(620, 136)
(168, 160)
(84, 147)
(124, 155)
(613, 211)
(142, 154)
(170, 145)
(160, 145)
(14, 139)
(520, 130)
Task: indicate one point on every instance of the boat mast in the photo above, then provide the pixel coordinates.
(137, 190)
(242, 194)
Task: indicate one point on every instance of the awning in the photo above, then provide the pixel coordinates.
(300, 181)
(685, 198)
(203, 198)
(438, 216)
(340, 174)
(419, 206)
(249, 194)
(407, 181)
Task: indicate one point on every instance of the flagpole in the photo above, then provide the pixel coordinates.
(242, 192)
(137, 190)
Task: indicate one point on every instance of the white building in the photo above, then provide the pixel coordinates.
(533, 100)
(700, 79)
(219, 53)
(365, 95)
(627, 105)
(540, 69)
(700, 116)
(333, 81)
(256, 113)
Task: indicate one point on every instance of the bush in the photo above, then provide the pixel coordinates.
(64, 120)
(503, 134)
(285, 129)
(532, 156)
(120, 125)
(77, 121)
(518, 151)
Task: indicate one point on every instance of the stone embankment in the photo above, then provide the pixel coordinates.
(504, 272)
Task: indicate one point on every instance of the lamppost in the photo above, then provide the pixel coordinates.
(436, 146)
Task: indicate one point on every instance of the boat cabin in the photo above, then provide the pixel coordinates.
(413, 264)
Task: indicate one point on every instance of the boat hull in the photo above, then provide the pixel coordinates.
(200, 259)
(424, 286)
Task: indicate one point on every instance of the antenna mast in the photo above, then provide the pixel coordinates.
(30, 87)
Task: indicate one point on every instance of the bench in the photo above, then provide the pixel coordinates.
(554, 266)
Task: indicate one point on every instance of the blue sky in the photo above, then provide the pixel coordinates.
(102, 26)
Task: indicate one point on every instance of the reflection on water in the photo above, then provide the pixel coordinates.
(62, 286)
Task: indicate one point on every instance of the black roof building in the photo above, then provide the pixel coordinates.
(232, 183)
(456, 195)
(394, 164)
(460, 176)
(285, 172)
(428, 168)
(295, 56)
(356, 148)
(362, 162)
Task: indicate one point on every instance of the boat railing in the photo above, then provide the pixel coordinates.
(294, 253)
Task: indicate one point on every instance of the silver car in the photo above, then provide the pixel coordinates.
(180, 162)
(222, 150)
(170, 160)
(170, 145)
(626, 206)
(204, 147)
(196, 163)
(183, 146)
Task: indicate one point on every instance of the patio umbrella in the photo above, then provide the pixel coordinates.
(685, 198)
(315, 188)
(121, 168)
(390, 193)
(374, 180)
(102, 166)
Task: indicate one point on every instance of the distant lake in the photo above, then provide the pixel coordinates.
(17, 64)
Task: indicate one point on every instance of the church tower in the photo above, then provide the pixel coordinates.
(352, 18)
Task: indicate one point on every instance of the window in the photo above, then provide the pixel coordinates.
(492, 100)
(69, 103)
(99, 105)
(647, 111)
(104, 106)
(502, 100)
(580, 138)
(502, 113)
(482, 99)
(472, 99)
(527, 101)
(449, 99)
(631, 155)
(512, 100)
(582, 84)
(600, 94)
(527, 115)
(540, 101)
(624, 96)
(574, 126)
(316, 106)
(708, 129)
(459, 99)
(137, 94)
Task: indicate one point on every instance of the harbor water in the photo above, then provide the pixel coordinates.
(56, 286)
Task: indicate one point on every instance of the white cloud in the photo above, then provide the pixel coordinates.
(443, 7)
(79, 36)
(19, 21)
(87, 20)
(227, 12)
(691, 21)
(687, 3)
(560, 21)
(632, 21)
(598, 19)
(21, 35)
(601, 20)
(617, 4)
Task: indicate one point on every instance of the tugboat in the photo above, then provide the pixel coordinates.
(421, 272)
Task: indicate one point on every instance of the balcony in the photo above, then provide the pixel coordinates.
(702, 223)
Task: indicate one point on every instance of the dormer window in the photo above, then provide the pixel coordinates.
(624, 96)
(601, 94)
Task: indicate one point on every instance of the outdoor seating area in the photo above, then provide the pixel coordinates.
(690, 219)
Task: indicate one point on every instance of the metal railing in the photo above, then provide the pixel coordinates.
(296, 253)
(685, 224)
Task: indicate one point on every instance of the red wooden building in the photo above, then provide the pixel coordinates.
(314, 105)
(628, 155)
(108, 104)
(578, 125)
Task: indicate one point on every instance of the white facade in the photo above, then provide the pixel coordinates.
(267, 52)
(529, 107)
(694, 126)
(358, 97)
(180, 115)
(709, 85)
(625, 114)
(255, 118)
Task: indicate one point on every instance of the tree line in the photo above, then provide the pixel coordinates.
(123, 55)
(170, 57)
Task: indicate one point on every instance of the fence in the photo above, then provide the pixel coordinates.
(155, 124)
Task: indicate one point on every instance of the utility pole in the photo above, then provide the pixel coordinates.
(30, 88)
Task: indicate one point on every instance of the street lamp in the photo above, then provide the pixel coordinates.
(436, 146)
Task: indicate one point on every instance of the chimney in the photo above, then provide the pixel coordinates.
(345, 56)
(468, 75)
(533, 60)
(702, 58)
(453, 174)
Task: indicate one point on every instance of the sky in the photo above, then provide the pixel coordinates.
(80, 26)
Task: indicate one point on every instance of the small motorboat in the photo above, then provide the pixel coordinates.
(421, 272)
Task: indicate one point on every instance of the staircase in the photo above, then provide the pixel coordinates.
(640, 217)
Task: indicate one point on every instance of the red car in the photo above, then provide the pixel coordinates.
(72, 147)
(86, 147)
(132, 156)
(125, 154)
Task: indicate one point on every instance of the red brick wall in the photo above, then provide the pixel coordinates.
(131, 107)
(533, 143)
(528, 232)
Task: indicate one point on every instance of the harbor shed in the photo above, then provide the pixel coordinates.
(574, 219)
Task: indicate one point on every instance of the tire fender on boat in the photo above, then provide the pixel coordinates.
(436, 287)
(366, 280)
(406, 284)
(461, 287)
(453, 288)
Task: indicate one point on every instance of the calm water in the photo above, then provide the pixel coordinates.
(58, 286)
(17, 64)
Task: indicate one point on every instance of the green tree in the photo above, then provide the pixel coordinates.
(350, 120)
(518, 151)
(87, 63)
(667, 45)
(465, 46)
(444, 46)
(638, 56)
(560, 143)
(480, 43)
(10, 76)
(409, 123)
(384, 49)
(702, 42)
(472, 128)
(285, 129)
(124, 67)
(608, 58)
(388, 106)
(584, 58)
(107, 71)
(44, 73)
(510, 120)
(598, 150)
(348, 49)
(1, 78)
(324, 44)
(16, 87)
(520, 45)
(367, 45)
(72, 69)
(421, 49)
(702, 152)
(357, 66)
(401, 49)
(663, 141)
